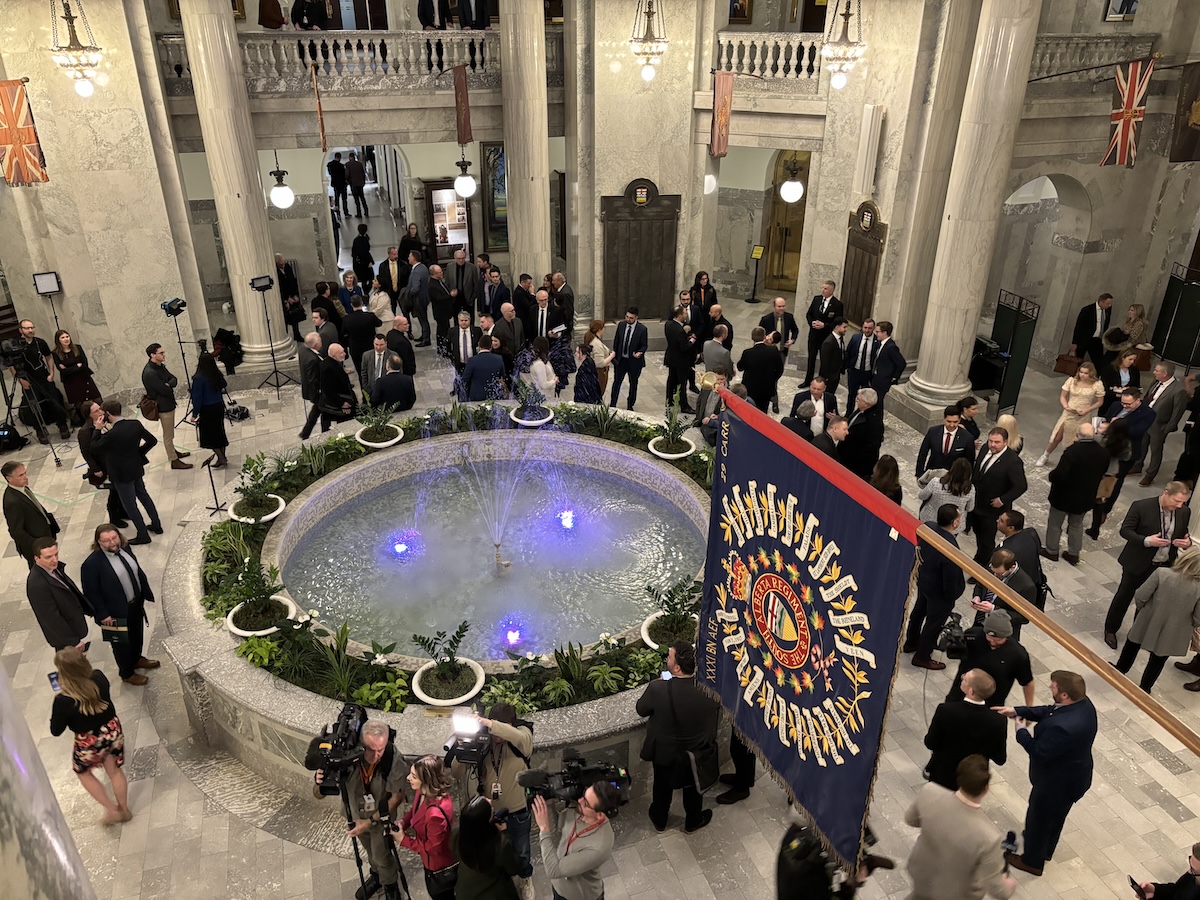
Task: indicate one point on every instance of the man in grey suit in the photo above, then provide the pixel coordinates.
(60, 607)
(716, 354)
(374, 363)
(418, 294)
(1169, 400)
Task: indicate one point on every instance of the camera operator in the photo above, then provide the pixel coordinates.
(488, 862)
(505, 756)
(992, 648)
(585, 843)
(373, 780)
(34, 371)
(804, 871)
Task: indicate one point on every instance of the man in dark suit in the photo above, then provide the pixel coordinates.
(1060, 764)
(944, 443)
(833, 355)
(310, 380)
(1026, 546)
(325, 328)
(829, 441)
(473, 15)
(123, 445)
(1169, 401)
(860, 359)
(484, 368)
(693, 324)
(464, 341)
(544, 317)
(462, 278)
(399, 342)
(1004, 566)
(1138, 418)
(999, 479)
(939, 584)
(889, 362)
(823, 309)
(782, 331)
(434, 15)
(680, 360)
(310, 15)
(27, 519)
(329, 307)
(681, 718)
(418, 295)
(864, 437)
(1155, 530)
(60, 607)
(395, 388)
(338, 401)
(511, 331)
(392, 275)
(442, 308)
(495, 294)
(964, 727)
(761, 366)
(564, 296)
(374, 363)
(1073, 485)
(629, 344)
(825, 406)
(1090, 326)
(358, 331)
(522, 297)
(337, 177)
(118, 590)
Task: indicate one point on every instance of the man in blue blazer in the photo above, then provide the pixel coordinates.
(118, 589)
(889, 362)
(1060, 764)
(482, 369)
(860, 359)
(629, 344)
(945, 443)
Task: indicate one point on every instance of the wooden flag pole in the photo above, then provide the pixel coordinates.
(320, 112)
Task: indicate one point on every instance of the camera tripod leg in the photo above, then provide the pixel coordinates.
(353, 841)
(35, 407)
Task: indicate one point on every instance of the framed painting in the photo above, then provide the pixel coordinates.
(495, 196)
(239, 8)
(1120, 10)
(741, 12)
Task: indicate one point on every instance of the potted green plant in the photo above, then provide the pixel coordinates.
(670, 442)
(256, 504)
(261, 607)
(677, 616)
(531, 410)
(378, 430)
(447, 679)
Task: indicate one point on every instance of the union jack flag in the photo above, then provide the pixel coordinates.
(1129, 111)
(20, 150)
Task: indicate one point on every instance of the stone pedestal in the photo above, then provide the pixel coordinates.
(526, 151)
(982, 157)
(224, 111)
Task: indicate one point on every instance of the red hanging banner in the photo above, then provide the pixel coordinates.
(462, 106)
(20, 148)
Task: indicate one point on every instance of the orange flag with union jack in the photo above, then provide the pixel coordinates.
(20, 150)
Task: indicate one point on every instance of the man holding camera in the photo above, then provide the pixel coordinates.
(375, 787)
(33, 368)
(992, 648)
(504, 757)
(585, 842)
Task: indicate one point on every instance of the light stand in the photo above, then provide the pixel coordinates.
(218, 503)
(47, 285)
(276, 379)
(173, 308)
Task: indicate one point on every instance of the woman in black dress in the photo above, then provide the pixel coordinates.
(207, 386)
(73, 369)
(411, 242)
(704, 294)
(93, 418)
(587, 379)
(84, 704)
(361, 259)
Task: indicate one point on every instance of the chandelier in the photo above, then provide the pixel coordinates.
(77, 61)
(465, 184)
(838, 57)
(649, 41)
(792, 189)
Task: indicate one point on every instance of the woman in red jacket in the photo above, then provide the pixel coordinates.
(426, 826)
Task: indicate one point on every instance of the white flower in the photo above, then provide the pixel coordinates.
(531, 655)
(545, 658)
(313, 613)
(604, 636)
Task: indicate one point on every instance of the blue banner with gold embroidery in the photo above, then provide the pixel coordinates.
(805, 587)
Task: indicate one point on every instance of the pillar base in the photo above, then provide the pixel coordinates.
(916, 412)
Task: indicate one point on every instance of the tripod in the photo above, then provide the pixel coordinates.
(183, 362)
(276, 379)
(386, 821)
(35, 407)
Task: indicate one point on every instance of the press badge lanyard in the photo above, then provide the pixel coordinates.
(574, 837)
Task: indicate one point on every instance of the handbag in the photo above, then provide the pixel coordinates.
(441, 881)
(694, 768)
(117, 633)
(1066, 364)
(1108, 484)
(148, 408)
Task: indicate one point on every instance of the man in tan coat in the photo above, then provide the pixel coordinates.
(957, 855)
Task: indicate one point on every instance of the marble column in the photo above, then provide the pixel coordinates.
(223, 106)
(579, 102)
(526, 151)
(982, 157)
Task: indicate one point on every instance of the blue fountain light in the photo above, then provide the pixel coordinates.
(407, 545)
(567, 518)
(513, 636)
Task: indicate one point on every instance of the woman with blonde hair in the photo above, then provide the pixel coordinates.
(84, 705)
(1168, 613)
(349, 289)
(601, 355)
(1081, 396)
(1126, 335)
(426, 826)
(1008, 422)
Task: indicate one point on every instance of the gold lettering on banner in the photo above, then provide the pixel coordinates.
(842, 621)
(835, 591)
(812, 729)
(810, 527)
(755, 509)
(839, 725)
(831, 550)
(734, 520)
(831, 743)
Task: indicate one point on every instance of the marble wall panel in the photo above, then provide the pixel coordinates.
(738, 227)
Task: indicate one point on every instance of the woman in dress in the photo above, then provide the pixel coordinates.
(379, 302)
(72, 365)
(360, 256)
(541, 373)
(488, 862)
(885, 478)
(968, 408)
(349, 289)
(84, 705)
(1167, 614)
(411, 242)
(602, 357)
(953, 486)
(1128, 334)
(208, 384)
(1121, 374)
(93, 419)
(1081, 396)
(426, 826)
(704, 294)
(1008, 422)
(587, 381)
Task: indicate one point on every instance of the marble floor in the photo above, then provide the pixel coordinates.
(199, 830)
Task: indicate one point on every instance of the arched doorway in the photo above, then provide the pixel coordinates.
(784, 235)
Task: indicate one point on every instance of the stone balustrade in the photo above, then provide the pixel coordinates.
(1065, 52)
(775, 59)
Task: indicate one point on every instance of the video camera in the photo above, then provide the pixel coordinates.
(577, 776)
(468, 741)
(336, 749)
(12, 354)
(952, 641)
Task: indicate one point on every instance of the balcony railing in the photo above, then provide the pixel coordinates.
(778, 59)
(1055, 53)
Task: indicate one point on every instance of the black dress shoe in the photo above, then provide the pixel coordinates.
(731, 780)
(732, 796)
(705, 818)
(687, 411)
(370, 887)
(121, 523)
(1071, 558)
(141, 539)
(909, 648)
(1093, 533)
(1053, 557)
(157, 529)
(1110, 639)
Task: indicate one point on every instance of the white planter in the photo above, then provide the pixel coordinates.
(292, 610)
(515, 415)
(646, 628)
(652, 446)
(358, 436)
(267, 518)
(456, 701)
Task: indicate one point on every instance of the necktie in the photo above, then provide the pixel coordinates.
(946, 444)
(133, 580)
(466, 346)
(392, 270)
(863, 349)
(841, 343)
(824, 304)
(541, 323)
(1099, 322)
(987, 462)
(1154, 392)
(853, 419)
(487, 295)
(378, 365)
(628, 338)
(34, 500)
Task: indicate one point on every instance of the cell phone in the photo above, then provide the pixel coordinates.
(1137, 887)
(53, 676)
(666, 676)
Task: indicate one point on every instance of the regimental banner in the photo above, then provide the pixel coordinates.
(1185, 145)
(20, 149)
(805, 588)
(462, 106)
(718, 142)
(1129, 111)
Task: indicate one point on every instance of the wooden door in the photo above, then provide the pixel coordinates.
(640, 238)
(785, 225)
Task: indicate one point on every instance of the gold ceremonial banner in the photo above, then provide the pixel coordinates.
(462, 106)
(718, 144)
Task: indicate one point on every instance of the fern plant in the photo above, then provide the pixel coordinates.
(671, 432)
(606, 679)
(679, 603)
(376, 421)
(508, 692)
(603, 417)
(443, 651)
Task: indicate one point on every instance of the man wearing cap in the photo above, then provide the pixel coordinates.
(959, 729)
(992, 649)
